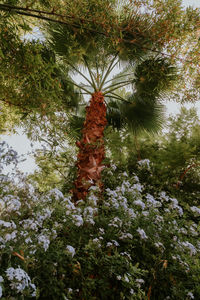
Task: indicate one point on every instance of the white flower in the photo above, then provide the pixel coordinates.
(164, 197)
(183, 230)
(97, 242)
(144, 163)
(30, 224)
(190, 295)
(140, 280)
(92, 200)
(113, 167)
(94, 188)
(126, 278)
(193, 231)
(136, 178)
(88, 211)
(1, 279)
(125, 174)
(56, 193)
(131, 213)
(114, 203)
(142, 234)
(101, 230)
(191, 247)
(10, 236)
(174, 201)
(137, 187)
(145, 213)
(44, 241)
(7, 224)
(195, 210)
(152, 202)
(132, 292)
(71, 250)
(28, 240)
(116, 222)
(2, 205)
(125, 254)
(159, 245)
(126, 236)
(77, 220)
(20, 279)
(175, 205)
(46, 214)
(119, 277)
(12, 203)
(115, 243)
(158, 219)
(139, 203)
(1, 292)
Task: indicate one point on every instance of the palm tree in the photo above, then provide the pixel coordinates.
(148, 76)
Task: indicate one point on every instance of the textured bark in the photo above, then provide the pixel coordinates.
(91, 148)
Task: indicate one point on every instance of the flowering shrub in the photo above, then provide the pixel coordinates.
(126, 243)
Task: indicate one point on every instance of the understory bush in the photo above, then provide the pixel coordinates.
(124, 243)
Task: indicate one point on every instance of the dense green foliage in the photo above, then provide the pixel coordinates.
(134, 241)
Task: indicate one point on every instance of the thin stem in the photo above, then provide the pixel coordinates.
(115, 97)
(103, 69)
(118, 77)
(28, 12)
(102, 83)
(184, 173)
(137, 147)
(77, 70)
(34, 16)
(91, 74)
(12, 7)
(80, 87)
(120, 98)
(98, 74)
(85, 85)
(110, 68)
(116, 84)
(109, 91)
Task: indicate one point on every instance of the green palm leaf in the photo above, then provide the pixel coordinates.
(154, 75)
(137, 114)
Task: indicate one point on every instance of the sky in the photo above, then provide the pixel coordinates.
(23, 146)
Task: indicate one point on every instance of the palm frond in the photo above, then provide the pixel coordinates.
(153, 76)
(114, 115)
(136, 36)
(143, 115)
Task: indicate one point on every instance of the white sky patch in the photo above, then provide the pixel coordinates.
(20, 143)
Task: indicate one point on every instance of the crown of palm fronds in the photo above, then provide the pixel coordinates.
(153, 76)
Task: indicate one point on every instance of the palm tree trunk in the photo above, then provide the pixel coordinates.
(91, 148)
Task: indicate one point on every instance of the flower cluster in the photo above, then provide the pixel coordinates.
(114, 246)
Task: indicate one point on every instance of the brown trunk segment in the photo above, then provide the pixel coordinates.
(91, 148)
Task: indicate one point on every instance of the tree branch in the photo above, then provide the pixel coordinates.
(29, 12)
(184, 173)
